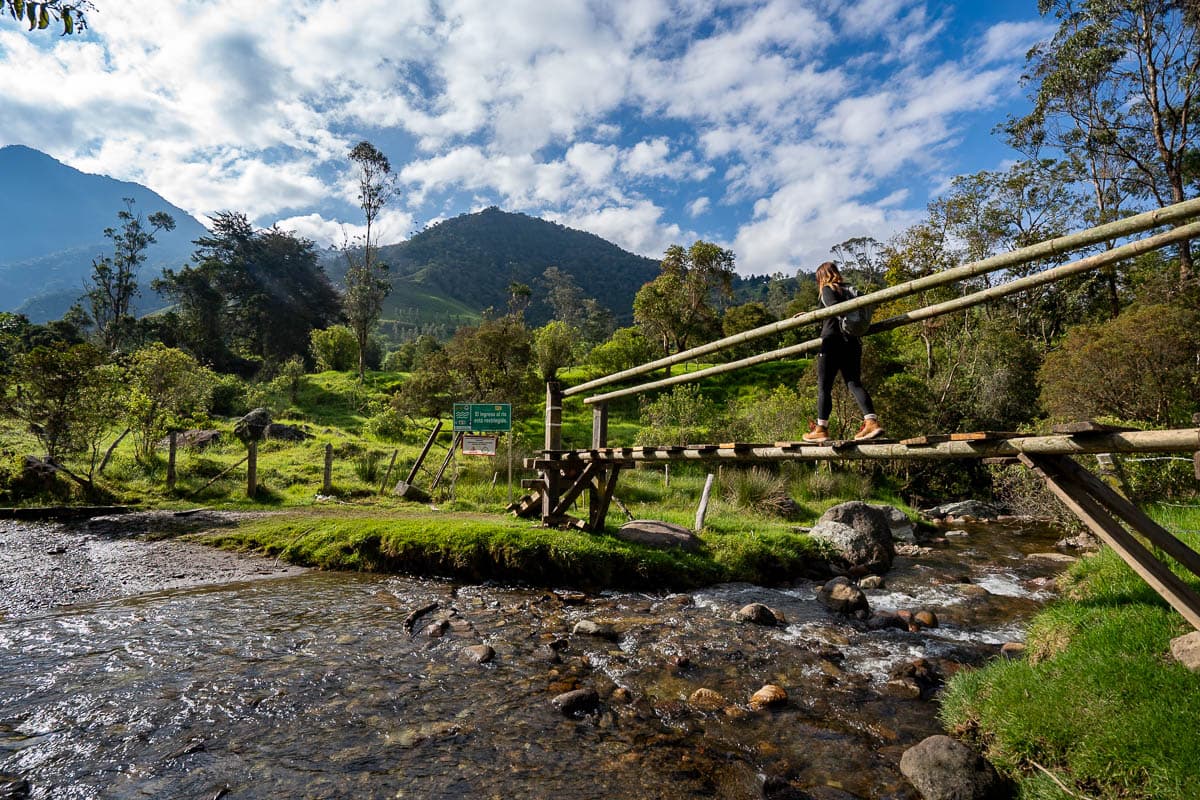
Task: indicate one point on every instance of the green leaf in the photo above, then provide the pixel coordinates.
(31, 13)
(18, 9)
(68, 21)
(43, 18)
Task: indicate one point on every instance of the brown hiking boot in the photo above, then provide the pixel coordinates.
(817, 433)
(870, 429)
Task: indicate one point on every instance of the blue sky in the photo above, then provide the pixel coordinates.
(776, 128)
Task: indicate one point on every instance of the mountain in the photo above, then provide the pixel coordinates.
(52, 221)
(449, 272)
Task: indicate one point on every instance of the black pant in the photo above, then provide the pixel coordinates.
(840, 354)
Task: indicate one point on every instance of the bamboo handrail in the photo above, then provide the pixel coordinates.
(1092, 262)
(1051, 247)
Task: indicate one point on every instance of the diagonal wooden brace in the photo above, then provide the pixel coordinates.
(581, 482)
(1060, 475)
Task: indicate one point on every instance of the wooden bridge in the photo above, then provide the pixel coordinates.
(565, 474)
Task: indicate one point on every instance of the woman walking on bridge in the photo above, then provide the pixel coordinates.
(840, 352)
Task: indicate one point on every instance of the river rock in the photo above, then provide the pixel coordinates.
(578, 701)
(920, 673)
(707, 699)
(942, 768)
(663, 535)
(13, 788)
(843, 597)
(758, 614)
(768, 696)
(871, 582)
(965, 510)
(479, 653)
(437, 628)
(777, 788)
(899, 523)
(1082, 541)
(859, 534)
(601, 630)
(926, 618)
(1186, 650)
(1013, 651)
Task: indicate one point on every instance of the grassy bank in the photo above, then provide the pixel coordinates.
(477, 547)
(1098, 709)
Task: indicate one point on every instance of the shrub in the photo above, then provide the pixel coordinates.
(334, 348)
(229, 396)
(757, 489)
(387, 424)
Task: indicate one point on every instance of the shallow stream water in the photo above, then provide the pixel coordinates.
(328, 685)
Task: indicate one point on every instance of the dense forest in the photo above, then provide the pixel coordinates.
(255, 312)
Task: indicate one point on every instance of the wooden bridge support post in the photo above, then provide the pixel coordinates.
(551, 475)
(1095, 503)
(554, 401)
(599, 426)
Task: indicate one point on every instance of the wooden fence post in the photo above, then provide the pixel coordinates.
(251, 469)
(173, 438)
(703, 509)
(327, 484)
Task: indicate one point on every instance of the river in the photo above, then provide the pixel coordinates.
(331, 685)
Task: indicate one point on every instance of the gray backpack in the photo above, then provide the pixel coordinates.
(857, 322)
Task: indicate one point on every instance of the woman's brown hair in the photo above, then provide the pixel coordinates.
(828, 275)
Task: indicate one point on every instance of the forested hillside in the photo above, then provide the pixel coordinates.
(451, 271)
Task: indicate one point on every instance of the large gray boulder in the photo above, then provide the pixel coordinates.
(663, 535)
(860, 536)
(942, 768)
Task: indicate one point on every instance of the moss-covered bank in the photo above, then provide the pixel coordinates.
(478, 547)
(1098, 706)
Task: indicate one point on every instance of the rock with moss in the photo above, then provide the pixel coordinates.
(253, 426)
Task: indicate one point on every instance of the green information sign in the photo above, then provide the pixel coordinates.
(482, 417)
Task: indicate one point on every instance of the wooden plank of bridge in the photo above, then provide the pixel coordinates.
(1060, 475)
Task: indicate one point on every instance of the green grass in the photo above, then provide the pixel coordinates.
(476, 547)
(1099, 701)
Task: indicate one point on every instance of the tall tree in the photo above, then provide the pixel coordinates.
(114, 283)
(1117, 89)
(255, 292)
(366, 287)
(679, 305)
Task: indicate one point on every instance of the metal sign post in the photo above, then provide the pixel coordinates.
(487, 418)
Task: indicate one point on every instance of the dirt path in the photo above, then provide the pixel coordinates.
(44, 565)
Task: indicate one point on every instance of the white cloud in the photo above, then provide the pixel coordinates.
(1010, 41)
(611, 115)
(639, 227)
